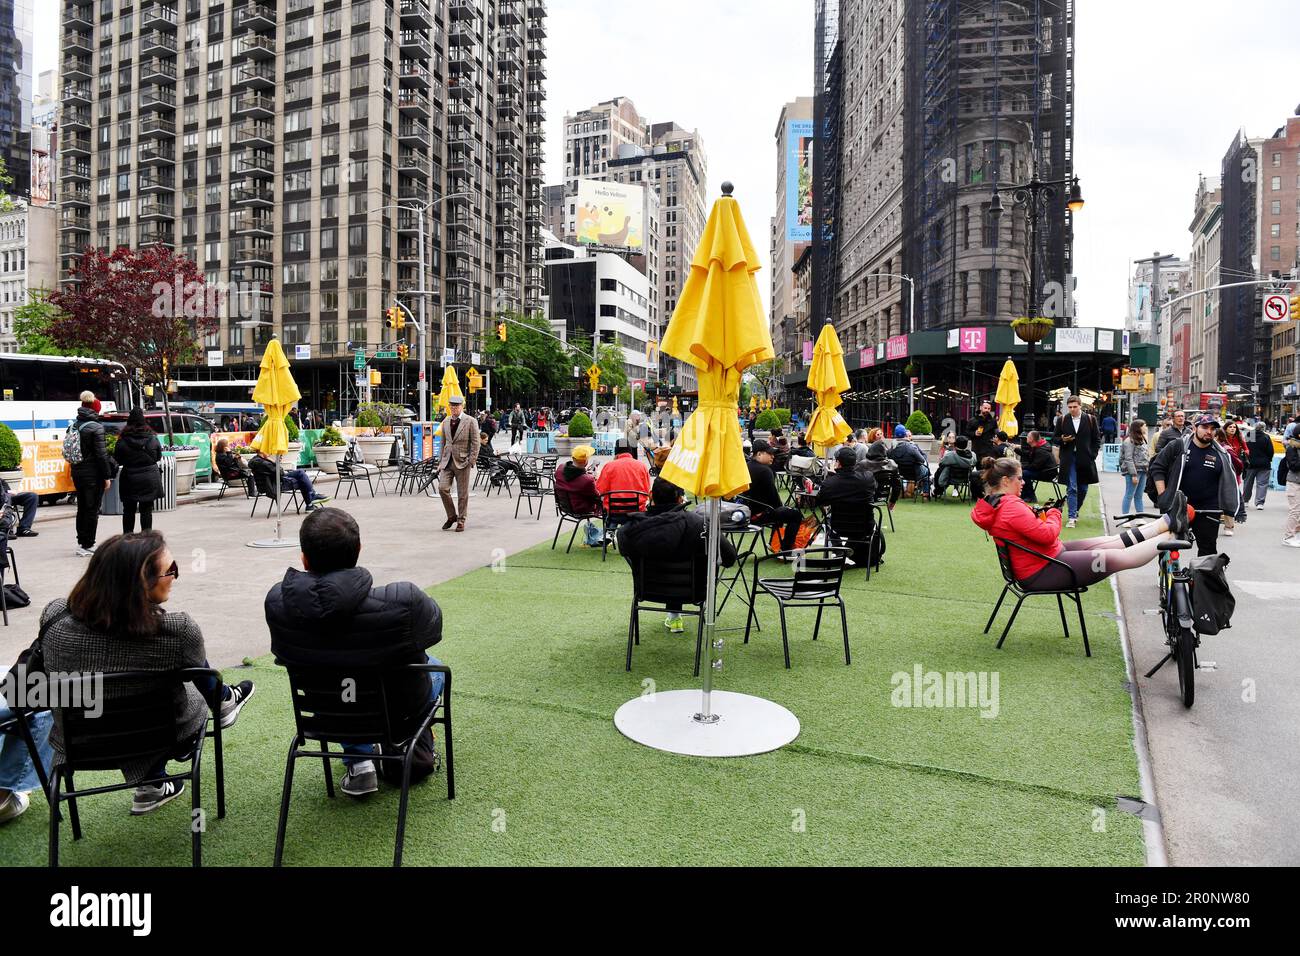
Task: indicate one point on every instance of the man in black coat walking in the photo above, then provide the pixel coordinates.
(1079, 438)
(91, 475)
(330, 615)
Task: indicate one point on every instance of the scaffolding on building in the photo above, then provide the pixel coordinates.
(827, 117)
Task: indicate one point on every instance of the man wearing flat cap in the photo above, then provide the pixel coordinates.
(460, 446)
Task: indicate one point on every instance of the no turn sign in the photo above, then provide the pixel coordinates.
(1276, 308)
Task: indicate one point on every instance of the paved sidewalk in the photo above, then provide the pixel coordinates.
(1227, 772)
(223, 582)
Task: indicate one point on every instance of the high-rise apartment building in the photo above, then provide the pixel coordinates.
(1279, 251)
(27, 263)
(1244, 341)
(291, 148)
(16, 92)
(592, 138)
(1203, 339)
(790, 236)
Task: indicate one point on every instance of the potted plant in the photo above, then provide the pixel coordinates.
(1032, 330)
(11, 457)
(767, 422)
(187, 460)
(922, 431)
(294, 451)
(330, 449)
(376, 446)
(580, 432)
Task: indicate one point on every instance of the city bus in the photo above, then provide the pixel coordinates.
(41, 393)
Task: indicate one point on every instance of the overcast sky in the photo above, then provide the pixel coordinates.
(1161, 89)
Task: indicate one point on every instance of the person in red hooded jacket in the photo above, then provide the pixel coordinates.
(1006, 517)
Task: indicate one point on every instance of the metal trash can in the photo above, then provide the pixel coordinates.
(168, 500)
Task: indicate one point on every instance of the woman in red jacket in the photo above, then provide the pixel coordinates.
(1006, 518)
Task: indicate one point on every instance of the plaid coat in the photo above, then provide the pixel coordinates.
(71, 646)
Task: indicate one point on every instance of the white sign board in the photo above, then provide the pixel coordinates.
(1125, 337)
(1076, 340)
(1105, 340)
(954, 338)
(449, 356)
(216, 358)
(301, 352)
(475, 358)
(1276, 308)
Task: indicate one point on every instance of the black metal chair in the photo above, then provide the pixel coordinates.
(564, 508)
(325, 716)
(350, 473)
(531, 488)
(7, 560)
(618, 505)
(229, 481)
(655, 585)
(134, 725)
(262, 485)
(857, 527)
(505, 472)
(482, 470)
(818, 574)
(884, 486)
(954, 477)
(1012, 585)
(16, 723)
(909, 473)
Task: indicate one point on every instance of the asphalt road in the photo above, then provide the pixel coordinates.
(1227, 771)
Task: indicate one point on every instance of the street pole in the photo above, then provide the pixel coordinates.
(424, 328)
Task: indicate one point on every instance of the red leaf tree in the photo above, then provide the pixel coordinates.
(146, 308)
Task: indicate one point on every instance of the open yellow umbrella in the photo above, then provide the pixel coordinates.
(450, 387)
(720, 328)
(1008, 397)
(827, 379)
(275, 391)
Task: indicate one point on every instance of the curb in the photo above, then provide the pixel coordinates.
(1153, 834)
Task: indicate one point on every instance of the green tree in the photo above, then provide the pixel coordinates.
(530, 359)
(32, 326)
(767, 375)
(608, 356)
(6, 183)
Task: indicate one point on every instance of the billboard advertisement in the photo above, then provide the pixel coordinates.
(42, 167)
(611, 214)
(798, 180)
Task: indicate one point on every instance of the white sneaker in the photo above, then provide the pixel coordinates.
(1228, 532)
(13, 805)
(85, 552)
(1259, 507)
(1292, 542)
(1070, 523)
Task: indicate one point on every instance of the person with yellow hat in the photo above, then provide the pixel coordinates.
(573, 479)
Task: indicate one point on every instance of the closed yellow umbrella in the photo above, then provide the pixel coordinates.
(827, 379)
(450, 387)
(1008, 397)
(275, 391)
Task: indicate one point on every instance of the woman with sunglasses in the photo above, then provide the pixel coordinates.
(1006, 517)
(114, 621)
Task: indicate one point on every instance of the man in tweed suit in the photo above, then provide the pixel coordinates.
(459, 453)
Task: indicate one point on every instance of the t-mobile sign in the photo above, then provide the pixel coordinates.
(896, 347)
(974, 340)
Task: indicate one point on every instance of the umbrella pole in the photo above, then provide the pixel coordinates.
(706, 714)
(279, 499)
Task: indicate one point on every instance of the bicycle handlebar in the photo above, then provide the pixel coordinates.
(1146, 514)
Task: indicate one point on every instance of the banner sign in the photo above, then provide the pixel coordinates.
(974, 340)
(798, 180)
(1076, 340)
(896, 347)
(866, 358)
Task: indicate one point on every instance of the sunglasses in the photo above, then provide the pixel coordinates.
(172, 572)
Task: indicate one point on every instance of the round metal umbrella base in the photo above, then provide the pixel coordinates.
(746, 725)
(274, 543)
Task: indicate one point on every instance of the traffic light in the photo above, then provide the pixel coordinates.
(501, 331)
(403, 350)
(375, 377)
(1295, 307)
(390, 317)
(593, 377)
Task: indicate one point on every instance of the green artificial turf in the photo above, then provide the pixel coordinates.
(543, 777)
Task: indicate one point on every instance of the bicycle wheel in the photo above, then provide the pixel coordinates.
(1186, 657)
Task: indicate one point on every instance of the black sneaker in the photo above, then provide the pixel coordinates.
(232, 705)
(360, 780)
(1177, 515)
(29, 533)
(148, 799)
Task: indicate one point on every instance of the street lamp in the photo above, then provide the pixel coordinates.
(1034, 195)
(911, 325)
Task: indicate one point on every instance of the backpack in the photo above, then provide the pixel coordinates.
(72, 445)
(1282, 471)
(1212, 600)
(424, 761)
(803, 538)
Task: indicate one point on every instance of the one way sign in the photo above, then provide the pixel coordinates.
(1276, 308)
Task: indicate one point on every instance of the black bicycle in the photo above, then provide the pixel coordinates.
(1175, 581)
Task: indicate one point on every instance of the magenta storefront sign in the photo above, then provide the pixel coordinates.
(807, 353)
(896, 347)
(974, 340)
(866, 358)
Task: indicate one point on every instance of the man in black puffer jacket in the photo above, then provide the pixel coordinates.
(666, 531)
(91, 475)
(329, 615)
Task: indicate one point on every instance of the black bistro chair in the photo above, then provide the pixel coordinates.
(818, 574)
(618, 506)
(1012, 585)
(349, 474)
(8, 561)
(263, 488)
(567, 512)
(656, 584)
(137, 723)
(322, 715)
(532, 488)
(909, 473)
(857, 528)
(955, 477)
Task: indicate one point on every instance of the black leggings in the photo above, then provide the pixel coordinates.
(128, 515)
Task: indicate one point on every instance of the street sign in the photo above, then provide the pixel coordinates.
(359, 362)
(215, 358)
(1276, 308)
(385, 355)
(302, 352)
(448, 356)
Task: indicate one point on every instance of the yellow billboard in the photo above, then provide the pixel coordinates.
(611, 214)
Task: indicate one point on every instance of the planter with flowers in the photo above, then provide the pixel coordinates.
(330, 449)
(11, 457)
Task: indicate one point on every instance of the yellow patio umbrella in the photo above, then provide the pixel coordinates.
(275, 391)
(1008, 397)
(827, 379)
(720, 328)
(450, 387)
